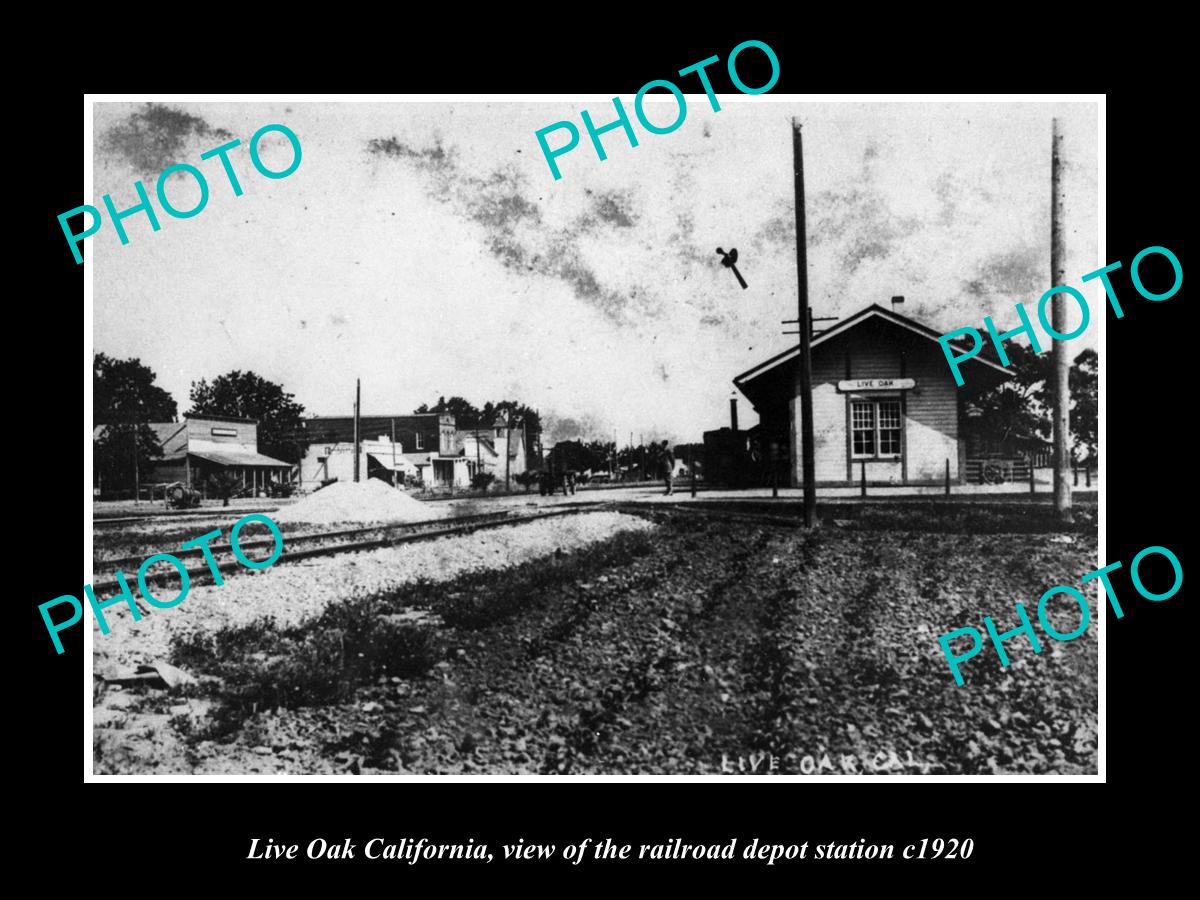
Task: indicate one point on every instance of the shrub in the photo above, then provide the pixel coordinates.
(320, 662)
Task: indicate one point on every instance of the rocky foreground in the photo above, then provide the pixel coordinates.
(701, 646)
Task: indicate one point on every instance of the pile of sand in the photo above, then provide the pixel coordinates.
(368, 501)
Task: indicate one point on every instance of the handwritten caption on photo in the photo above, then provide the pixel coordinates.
(202, 543)
(881, 761)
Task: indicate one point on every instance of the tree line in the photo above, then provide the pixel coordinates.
(467, 415)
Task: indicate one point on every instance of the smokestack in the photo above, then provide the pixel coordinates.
(897, 302)
(733, 413)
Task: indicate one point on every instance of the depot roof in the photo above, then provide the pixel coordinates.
(864, 315)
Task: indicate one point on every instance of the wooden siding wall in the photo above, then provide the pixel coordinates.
(930, 409)
(199, 433)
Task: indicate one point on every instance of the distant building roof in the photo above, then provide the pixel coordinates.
(164, 431)
(483, 435)
(216, 418)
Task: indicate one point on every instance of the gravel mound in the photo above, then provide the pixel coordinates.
(367, 501)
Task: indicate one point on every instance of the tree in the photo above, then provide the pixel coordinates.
(223, 485)
(249, 396)
(1085, 404)
(466, 415)
(1015, 408)
(114, 450)
(1020, 407)
(519, 412)
(603, 454)
(124, 400)
(123, 390)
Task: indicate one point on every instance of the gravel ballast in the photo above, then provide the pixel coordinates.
(292, 592)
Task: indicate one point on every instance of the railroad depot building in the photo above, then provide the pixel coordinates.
(884, 402)
(200, 446)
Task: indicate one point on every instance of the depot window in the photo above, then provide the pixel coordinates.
(875, 428)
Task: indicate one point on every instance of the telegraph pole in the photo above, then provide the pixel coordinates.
(357, 436)
(804, 326)
(137, 485)
(507, 453)
(1058, 315)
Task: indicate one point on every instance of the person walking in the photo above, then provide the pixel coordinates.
(667, 461)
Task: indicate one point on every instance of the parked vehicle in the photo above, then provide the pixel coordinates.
(280, 489)
(180, 496)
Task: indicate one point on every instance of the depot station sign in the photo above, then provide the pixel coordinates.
(877, 384)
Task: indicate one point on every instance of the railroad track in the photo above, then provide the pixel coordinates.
(633, 506)
(174, 517)
(427, 530)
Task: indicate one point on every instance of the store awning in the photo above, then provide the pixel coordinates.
(401, 464)
(239, 458)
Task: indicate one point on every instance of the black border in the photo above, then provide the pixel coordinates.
(165, 828)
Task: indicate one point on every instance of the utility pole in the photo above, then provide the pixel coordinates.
(357, 436)
(137, 485)
(507, 451)
(1058, 315)
(395, 477)
(804, 326)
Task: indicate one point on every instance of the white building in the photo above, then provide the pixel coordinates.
(485, 449)
(378, 458)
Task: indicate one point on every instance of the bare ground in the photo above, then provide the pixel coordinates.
(701, 647)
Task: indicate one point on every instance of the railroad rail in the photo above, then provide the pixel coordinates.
(447, 527)
(289, 539)
(231, 512)
(712, 512)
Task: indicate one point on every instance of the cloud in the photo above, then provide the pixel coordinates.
(156, 137)
(518, 235)
(1017, 273)
(613, 208)
(557, 428)
(851, 225)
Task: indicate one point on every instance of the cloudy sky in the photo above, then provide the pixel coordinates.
(426, 248)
